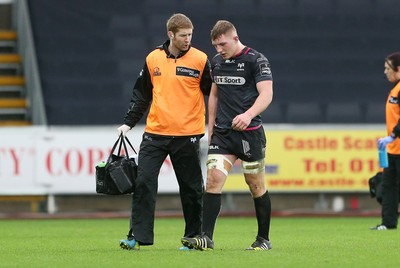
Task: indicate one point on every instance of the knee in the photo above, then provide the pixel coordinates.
(256, 184)
(257, 189)
(212, 187)
(215, 181)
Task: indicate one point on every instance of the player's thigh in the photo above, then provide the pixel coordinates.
(218, 167)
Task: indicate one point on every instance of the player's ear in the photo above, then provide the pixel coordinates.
(170, 34)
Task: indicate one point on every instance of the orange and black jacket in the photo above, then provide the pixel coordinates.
(393, 119)
(175, 88)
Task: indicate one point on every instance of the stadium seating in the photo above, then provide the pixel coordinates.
(375, 112)
(344, 112)
(304, 113)
(274, 113)
(320, 51)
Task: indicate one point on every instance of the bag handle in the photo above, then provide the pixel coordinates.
(121, 141)
(130, 144)
(115, 146)
(125, 147)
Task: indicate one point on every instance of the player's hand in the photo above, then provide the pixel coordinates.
(123, 129)
(241, 122)
(383, 142)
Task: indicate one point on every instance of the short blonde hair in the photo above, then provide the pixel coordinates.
(178, 21)
(222, 27)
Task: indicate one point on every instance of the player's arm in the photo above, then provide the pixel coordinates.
(212, 109)
(242, 121)
(263, 100)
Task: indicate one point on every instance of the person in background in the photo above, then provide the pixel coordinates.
(391, 174)
(241, 91)
(174, 79)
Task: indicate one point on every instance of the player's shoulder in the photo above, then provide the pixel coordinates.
(255, 55)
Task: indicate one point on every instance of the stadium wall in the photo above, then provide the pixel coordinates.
(314, 163)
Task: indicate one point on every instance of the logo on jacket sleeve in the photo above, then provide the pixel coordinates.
(393, 100)
(265, 70)
(156, 71)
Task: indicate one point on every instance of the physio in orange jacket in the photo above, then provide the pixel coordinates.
(391, 174)
(173, 81)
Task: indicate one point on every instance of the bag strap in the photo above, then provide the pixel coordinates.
(121, 141)
(118, 141)
(126, 149)
(130, 144)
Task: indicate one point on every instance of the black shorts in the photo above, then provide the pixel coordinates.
(246, 145)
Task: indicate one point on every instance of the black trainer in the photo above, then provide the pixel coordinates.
(260, 244)
(201, 242)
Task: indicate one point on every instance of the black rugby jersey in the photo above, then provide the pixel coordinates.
(236, 79)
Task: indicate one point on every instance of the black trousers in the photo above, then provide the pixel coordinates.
(390, 192)
(184, 153)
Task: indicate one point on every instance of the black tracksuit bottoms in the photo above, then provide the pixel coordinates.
(184, 153)
(390, 192)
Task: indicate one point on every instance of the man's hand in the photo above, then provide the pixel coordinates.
(383, 142)
(123, 129)
(241, 121)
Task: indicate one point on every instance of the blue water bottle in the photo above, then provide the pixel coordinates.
(383, 158)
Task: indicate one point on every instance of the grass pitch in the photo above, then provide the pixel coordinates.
(297, 242)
